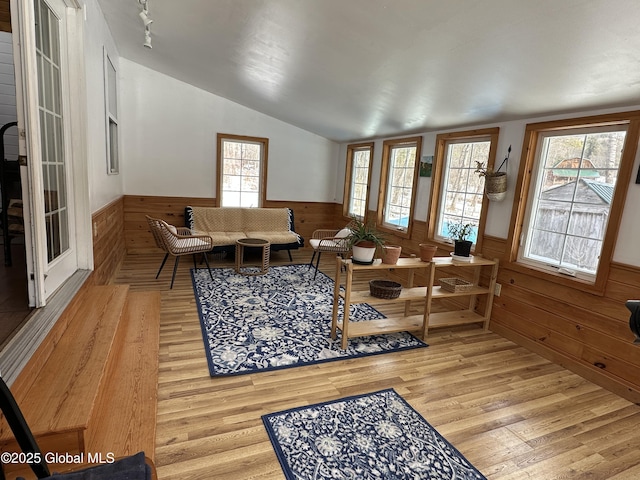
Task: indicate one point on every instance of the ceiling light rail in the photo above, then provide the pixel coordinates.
(147, 21)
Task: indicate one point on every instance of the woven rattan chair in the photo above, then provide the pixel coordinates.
(325, 240)
(178, 241)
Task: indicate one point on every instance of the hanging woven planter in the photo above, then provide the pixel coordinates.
(495, 181)
(495, 186)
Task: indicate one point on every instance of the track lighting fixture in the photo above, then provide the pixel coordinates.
(147, 40)
(147, 21)
(145, 18)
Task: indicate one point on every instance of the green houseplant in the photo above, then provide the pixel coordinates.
(459, 233)
(364, 239)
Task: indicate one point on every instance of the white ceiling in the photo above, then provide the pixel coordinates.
(358, 69)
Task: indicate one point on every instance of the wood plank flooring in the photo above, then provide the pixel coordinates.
(513, 414)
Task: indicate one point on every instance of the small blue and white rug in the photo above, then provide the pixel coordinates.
(365, 437)
(278, 320)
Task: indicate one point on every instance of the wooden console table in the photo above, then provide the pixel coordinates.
(408, 294)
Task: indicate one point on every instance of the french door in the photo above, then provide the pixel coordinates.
(47, 112)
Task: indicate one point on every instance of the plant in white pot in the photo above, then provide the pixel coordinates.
(459, 233)
(364, 239)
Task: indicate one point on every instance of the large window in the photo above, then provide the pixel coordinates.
(457, 190)
(572, 188)
(242, 171)
(574, 180)
(398, 184)
(357, 180)
(111, 109)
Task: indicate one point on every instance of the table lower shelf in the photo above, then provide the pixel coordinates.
(411, 323)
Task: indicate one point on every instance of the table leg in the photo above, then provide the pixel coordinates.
(336, 298)
(346, 308)
(239, 253)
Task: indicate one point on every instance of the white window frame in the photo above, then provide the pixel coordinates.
(384, 206)
(440, 176)
(466, 216)
(111, 118)
(350, 179)
(262, 181)
(533, 201)
(524, 188)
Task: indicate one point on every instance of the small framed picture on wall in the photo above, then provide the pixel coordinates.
(426, 164)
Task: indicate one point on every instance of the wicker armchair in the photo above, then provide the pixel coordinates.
(325, 240)
(178, 241)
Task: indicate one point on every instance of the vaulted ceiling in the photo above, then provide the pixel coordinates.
(359, 69)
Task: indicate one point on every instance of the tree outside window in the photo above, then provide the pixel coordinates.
(241, 170)
(457, 191)
(573, 179)
(574, 185)
(398, 184)
(357, 180)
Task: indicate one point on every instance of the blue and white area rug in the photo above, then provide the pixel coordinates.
(278, 320)
(372, 436)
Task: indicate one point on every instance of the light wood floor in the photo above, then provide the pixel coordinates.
(513, 414)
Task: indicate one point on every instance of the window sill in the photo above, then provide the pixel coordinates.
(398, 233)
(558, 278)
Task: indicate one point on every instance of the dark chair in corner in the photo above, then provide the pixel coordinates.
(134, 467)
(178, 241)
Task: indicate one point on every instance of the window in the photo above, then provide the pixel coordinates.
(457, 191)
(242, 171)
(111, 110)
(573, 186)
(398, 184)
(357, 180)
(574, 180)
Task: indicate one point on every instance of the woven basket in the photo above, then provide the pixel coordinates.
(455, 285)
(384, 289)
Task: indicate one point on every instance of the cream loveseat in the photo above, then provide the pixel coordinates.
(225, 225)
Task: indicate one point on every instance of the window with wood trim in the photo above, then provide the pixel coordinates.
(241, 171)
(457, 190)
(574, 179)
(398, 184)
(357, 180)
(111, 110)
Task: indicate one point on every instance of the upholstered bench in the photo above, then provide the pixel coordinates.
(226, 225)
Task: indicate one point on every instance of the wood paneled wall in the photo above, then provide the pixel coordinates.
(586, 333)
(5, 16)
(108, 241)
(308, 217)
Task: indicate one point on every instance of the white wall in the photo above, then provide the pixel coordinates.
(499, 215)
(103, 188)
(169, 133)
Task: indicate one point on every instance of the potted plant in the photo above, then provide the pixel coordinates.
(459, 232)
(364, 239)
(495, 181)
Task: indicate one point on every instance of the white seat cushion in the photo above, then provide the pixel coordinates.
(328, 243)
(345, 232)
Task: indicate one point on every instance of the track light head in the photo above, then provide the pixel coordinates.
(147, 40)
(144, 15)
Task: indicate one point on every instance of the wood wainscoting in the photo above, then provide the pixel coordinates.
(309, 216)
(586, 333)
(108, 241)
(5, 16)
